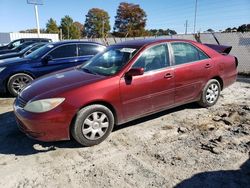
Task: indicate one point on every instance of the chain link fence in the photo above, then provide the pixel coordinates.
(240, 43)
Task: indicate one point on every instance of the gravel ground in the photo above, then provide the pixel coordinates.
(186, 146)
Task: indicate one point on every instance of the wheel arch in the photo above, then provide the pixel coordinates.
(18, 72)
(219, 79)
(100, 102)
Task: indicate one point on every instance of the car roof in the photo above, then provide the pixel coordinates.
(32, 39)
(73, 42)
(138, 43)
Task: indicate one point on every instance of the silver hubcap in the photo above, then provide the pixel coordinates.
(95, 125)
(212, 93)
(19, 83)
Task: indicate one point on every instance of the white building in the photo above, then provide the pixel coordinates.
(5, 38)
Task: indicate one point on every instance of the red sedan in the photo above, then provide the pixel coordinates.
(127, 81)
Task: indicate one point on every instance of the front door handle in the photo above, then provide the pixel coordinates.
(208, 65)
(168, 75)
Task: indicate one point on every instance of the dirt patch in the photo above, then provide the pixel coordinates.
(187, 146)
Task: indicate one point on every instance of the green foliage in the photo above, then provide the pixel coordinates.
(130, 20)
(97, 23)
(210, 30)
(242, 28)
(160, 32)
(51, 26)
(80, 28)
(69, 29)
(32, 31)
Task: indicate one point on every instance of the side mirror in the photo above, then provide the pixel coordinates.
(10, 46)
(28, 52)
(135, 72)
(47, 58)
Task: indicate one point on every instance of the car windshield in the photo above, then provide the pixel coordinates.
(26, 49)
(110, 61)
(40, 52)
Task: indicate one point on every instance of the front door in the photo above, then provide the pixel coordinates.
(135, 96)
(63, 57)
(154, 89)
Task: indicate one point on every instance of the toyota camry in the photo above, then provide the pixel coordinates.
(125, 82)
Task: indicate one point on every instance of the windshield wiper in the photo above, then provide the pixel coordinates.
(89, 71)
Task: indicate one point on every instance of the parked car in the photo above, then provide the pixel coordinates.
(18, 48)
(127, 81)
(23, 52)
(16, 73)
(18, 42)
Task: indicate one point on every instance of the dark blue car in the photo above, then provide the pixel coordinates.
(16, 73)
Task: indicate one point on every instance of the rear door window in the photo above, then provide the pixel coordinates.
(186, 53)
(89, 49)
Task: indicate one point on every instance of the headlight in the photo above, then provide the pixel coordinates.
(43, 105)
(2, 68)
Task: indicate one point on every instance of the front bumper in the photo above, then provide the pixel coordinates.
(49, 126)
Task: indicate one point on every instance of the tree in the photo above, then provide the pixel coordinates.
(97, 23)
(130, 20)
(69, 29)
(51, 26)
(80, 28)
(228, 30)
(244, 28)
(32, 31)
(160, 32)
(210, 30)
(171, 32)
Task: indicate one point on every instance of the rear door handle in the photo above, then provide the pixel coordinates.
(208, 65)
(168, 75)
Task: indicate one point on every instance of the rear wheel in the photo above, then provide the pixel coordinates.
(18, 82)
(210, 93)
(93, 124)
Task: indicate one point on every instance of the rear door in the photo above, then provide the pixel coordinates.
(192, 68)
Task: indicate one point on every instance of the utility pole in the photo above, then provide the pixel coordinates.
(195, 14)
(37, 21)
(60, 33)
(103, 28)
(36, 3)
(186, 26)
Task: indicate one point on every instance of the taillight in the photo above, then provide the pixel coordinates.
(236, 62)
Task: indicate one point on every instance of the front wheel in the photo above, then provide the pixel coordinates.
(210, 93)
(93, 125)
(18, 82)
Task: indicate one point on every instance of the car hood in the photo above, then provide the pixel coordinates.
(12, 61)
(4, 47)
(9, 55)
(56, 83)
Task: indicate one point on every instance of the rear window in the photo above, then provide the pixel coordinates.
(89, 49)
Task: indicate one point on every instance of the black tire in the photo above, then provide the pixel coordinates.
(207, 94)
(21, 78)
(83, 124)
